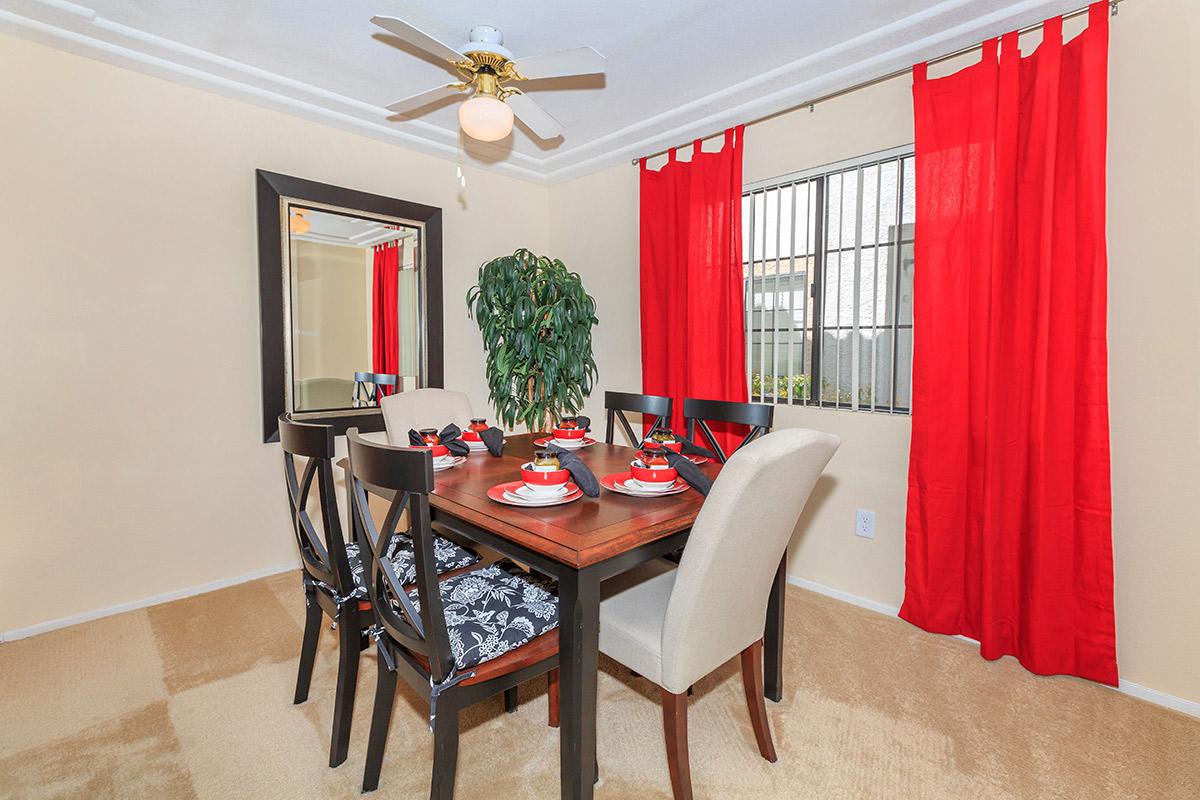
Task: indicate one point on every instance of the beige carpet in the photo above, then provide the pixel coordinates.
(193, 700)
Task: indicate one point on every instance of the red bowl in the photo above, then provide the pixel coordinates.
(646, 475)
(439, 450)
(568, 433)
(544, 479)
(470, 436)
(674, 446)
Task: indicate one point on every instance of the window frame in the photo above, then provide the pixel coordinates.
(814, 318)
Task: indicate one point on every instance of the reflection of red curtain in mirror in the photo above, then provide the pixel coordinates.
(385, 323)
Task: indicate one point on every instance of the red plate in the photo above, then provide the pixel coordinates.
(698, 459)
(545, 442)
(609, 482)
(497, 493)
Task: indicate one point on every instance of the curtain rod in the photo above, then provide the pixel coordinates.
(1112, 4)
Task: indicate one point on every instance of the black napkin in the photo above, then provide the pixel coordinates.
(493, 437)
(690, 473)
(448, 437)
(579, 471)
(688, 447)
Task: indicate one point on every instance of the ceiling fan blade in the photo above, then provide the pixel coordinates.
(580, 61)
(529, 112)
(424, 98)
(419, 38)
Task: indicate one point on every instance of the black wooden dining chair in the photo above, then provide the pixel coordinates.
(332, 572)
(456, 641)
(368, 387)
(699, 413)
(617, 403)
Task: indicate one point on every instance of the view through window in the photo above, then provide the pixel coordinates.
(828, 270)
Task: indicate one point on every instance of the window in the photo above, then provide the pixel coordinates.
(828, 270)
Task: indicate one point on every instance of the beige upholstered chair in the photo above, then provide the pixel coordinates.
(423, 408)
(676, 625)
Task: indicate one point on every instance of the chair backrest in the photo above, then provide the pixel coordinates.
(322, 554)
(617, 403)
(385, 384)
(409, 473)
(370, 387)
(423, 408)
(718, 606)
(698, 413)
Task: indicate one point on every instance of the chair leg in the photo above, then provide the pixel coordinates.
(552, 696)
(349, 639)
(381, 717)
(308, 649)
(445, 752)
(510, 700)
(752, 681)
(675, 707)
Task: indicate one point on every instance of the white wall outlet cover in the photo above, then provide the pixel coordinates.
(864, 524)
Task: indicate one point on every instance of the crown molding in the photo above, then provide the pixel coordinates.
(955, 24)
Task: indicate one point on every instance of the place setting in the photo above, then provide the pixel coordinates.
(451, 445)
(554, 477)
(663, 438)
(660, 468)
(475, 434)
(570, 434)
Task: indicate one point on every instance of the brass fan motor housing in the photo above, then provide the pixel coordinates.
(486, 73)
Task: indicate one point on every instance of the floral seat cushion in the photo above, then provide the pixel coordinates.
(492, 611)
(446, 554)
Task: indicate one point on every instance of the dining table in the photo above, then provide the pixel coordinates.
(579, 544)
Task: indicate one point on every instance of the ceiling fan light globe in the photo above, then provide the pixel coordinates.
(485, 118)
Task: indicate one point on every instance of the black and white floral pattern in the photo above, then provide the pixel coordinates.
(491, 611)
(446, 554)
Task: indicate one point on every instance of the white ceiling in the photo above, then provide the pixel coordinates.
(348, 231)
(676, 70)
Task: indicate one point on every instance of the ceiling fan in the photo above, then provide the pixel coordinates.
(487, 67)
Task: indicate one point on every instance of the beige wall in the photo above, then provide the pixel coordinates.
(594, 230)
(332, 310)
(132, 462)
(1154, 359)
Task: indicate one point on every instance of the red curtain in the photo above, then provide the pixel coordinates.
(1009, 533)
(385, 322)
(693, 336)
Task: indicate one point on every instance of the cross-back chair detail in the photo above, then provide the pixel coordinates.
(699, 413)
(329, 585)
(409, 473)
(323, 556)
(617, 403)
(412, 634)
(368, 387)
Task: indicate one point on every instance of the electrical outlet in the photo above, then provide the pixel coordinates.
(864, 524)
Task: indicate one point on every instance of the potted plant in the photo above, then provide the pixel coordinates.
(536, 322)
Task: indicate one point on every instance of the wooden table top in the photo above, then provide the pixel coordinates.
(581, 533)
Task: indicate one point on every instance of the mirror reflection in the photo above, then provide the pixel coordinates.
(355, 286)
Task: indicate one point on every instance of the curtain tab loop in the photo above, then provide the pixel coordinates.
(671, 155)
(1010, 46)
(991, 48)
(1052, 30)
(920, 73)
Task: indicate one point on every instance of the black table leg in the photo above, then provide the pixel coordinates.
(773, 637)
(578, 659)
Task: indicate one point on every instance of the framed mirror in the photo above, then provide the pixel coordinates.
(350, 288)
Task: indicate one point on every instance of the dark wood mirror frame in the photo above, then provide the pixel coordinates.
(271, 187)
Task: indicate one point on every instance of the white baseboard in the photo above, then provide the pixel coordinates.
(1189, 707)
(133, 605)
